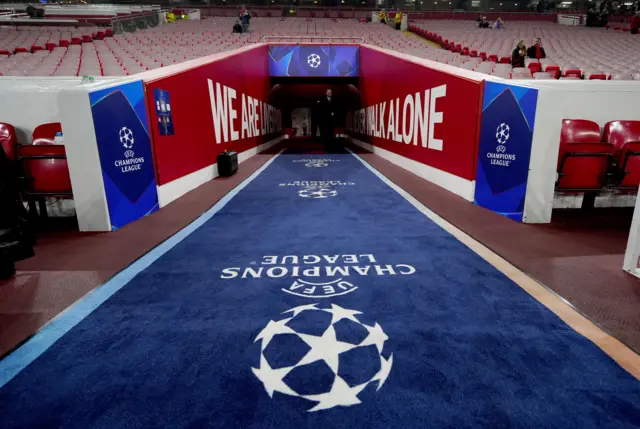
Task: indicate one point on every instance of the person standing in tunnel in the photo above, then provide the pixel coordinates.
(326, 112)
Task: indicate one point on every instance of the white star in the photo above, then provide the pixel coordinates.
(376, 336)
(340, 394)
(385, 369)
(326, 348)
(272, 329)
(339, 313)
(272, 378)
(299, 309)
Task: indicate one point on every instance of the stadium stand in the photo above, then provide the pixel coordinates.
(571, 51)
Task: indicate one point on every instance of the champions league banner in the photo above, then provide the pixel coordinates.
(506, 131)
(313, 60)
(318, 297)
(122, 134)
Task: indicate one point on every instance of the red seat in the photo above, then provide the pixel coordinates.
(46, 169)
(45, 134)
(598, 77)
(493, 58)
(8, 140)
(505, 60)
(583, 160)
(625, 137)
(535, 67)
(572, 72)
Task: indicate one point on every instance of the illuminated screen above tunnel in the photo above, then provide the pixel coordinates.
(313, 60)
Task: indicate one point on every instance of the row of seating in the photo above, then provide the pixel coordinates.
(591, 159)
(42, 164)
(587, 53)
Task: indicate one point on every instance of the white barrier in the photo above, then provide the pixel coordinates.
(598, 101)
(572, 20)
(632, 254)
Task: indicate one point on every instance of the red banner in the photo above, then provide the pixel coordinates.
(214, 107)
(420, 113)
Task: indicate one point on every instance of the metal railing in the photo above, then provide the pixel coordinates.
(314, 39)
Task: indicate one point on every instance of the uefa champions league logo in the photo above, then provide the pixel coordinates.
(317, 192)
(316, 163)
(502, 136)
(314, 61)
(310, 354)
(127, 140)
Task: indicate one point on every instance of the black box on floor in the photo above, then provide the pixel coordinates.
(227, 163)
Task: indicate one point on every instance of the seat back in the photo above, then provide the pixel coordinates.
(579, 131)
(583, 160)
(625, 137)
(46, 169)
(45, 134)
(8, 140)
(619, 133)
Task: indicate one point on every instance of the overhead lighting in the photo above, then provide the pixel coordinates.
(566, 2)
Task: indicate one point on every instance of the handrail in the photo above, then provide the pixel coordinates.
(354, 39)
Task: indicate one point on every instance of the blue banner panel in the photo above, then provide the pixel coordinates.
(163, 112)
(313, 60)
(508, 117)
(122, 134)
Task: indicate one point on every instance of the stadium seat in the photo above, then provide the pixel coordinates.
(47, 174)
(625, 137)
(8, 140)
(583, 159)
(45, 134)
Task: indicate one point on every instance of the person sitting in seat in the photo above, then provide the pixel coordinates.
(484, 23)
(536, 51)
(499, 24)
(518, 55)
(171, 17)
(237, 28)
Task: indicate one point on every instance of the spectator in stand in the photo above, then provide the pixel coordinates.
(499, 23)
(245, 16)
(398, 19)
(382, 16)
(536, 51)
(237, 28)
(635, 23)
(518, 55)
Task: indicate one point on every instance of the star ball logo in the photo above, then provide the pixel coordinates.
(317, 192)
(317, 276)
(130, 163)
(500, 157)
(316, 162)
(325, 355)
(317, 189)
(314, 61)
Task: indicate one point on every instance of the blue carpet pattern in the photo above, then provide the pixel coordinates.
(319, 298)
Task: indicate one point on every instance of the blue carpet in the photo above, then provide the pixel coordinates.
(319, 298)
